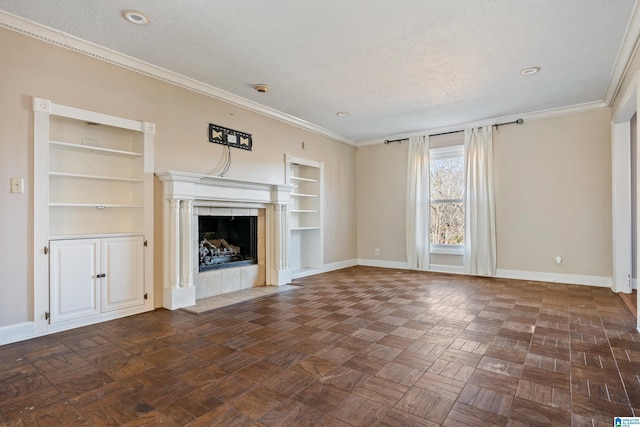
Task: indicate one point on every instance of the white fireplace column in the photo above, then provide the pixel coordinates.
(186, 248)
(182, 191)
(278, 237)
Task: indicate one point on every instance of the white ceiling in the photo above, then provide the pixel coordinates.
(397, 67)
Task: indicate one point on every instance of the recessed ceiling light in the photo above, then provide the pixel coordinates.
(135, 17)
(262, 88)
(342, 114)
(530, 71)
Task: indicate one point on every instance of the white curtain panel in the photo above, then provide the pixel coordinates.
(418, 193)
(480, 211)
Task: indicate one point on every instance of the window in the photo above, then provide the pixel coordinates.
(446, 166)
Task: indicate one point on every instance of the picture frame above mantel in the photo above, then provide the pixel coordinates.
(230, 137)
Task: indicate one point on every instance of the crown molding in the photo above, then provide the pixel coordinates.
(627, 49)
(536, 115)
(68, 41)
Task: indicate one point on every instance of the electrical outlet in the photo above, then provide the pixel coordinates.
(17, 185)
(377, 251)
(558, 260)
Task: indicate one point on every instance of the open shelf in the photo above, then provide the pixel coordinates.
(299, 178)
(97, 177)
(92, 149)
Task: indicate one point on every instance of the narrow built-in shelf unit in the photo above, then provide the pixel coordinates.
(93, 187)
(306, 223)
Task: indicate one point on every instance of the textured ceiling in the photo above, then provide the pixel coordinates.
(397, 67)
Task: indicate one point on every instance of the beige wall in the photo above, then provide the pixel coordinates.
(34, 68)
(553, 197)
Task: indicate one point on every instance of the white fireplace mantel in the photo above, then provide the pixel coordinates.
(182, 191)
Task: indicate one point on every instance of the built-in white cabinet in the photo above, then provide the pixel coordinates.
(93, 197)
(306, 215)
(92, 276)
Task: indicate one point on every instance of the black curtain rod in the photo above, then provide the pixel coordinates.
(517, 122)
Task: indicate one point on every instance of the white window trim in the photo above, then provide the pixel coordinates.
(440, 154)
(446, 249)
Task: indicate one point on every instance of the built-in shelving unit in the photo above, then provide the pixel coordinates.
(306, 223)
(93, 188)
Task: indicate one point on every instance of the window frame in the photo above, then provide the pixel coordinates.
(441, 153)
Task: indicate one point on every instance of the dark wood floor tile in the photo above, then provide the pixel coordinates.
(275, 416)
(314, 367)
(321, 396)
(494, 381)
(192, 405)
(235, 361)
(383, 391)
(598, 384)
(263, 349)
(427, 346)
(344, 378)
(258, 402)
(82, 380)
(499, 366)
(225, 415)
(400, 374)
(213, 352)
(544, 394)
(532, 413)
(115, 414)
(360, 411)
(462, 415)
(202, 376)
(21, 380)
(368, 365)
(330, 421)
(20, 407)
(396, 418)
(486, 399)
(229, 387)
(595, 411)
(111, 393)
(308, 346)
(444, 386)
(260, 371)
(289, 382)
(453, 370)
(548, 363)
(300, 415)
(286, 358)
(424, 404)
(61, 413)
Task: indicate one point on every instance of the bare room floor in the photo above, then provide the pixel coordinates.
(360, 346)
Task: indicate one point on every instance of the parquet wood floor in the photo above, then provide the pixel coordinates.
(360, 346)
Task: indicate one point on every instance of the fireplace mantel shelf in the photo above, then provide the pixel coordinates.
(192, 186)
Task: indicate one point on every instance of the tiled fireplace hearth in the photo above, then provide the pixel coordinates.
(187, 196)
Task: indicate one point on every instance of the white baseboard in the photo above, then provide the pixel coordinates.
(634, 283)
(18, 332)
(400, 265)
(571, 279)
(339, 265)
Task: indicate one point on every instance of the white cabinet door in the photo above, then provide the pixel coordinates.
(74, 279)
(123, 269)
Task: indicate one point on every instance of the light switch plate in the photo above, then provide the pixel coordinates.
(17, 185)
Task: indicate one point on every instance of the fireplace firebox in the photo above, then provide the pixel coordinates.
(227, 241)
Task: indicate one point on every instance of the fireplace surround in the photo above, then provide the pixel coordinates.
(187, 195)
